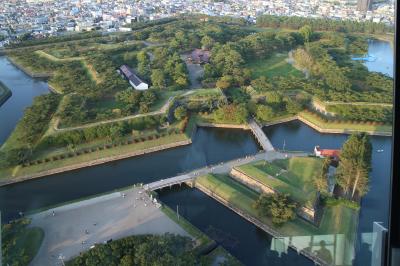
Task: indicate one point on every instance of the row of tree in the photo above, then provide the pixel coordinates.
(323, 24)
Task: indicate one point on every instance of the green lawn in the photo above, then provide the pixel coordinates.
(338, 221)
(273, 66)
(290, 176)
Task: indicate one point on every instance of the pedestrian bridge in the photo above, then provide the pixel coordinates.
(169, 182)
(260, 136)
(221, 168)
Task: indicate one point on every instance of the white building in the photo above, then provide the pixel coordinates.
(134, 80)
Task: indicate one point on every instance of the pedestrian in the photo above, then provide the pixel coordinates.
(53, 213)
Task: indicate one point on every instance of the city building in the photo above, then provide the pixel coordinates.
(364, 5)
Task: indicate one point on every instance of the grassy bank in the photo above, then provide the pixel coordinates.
(5, 93)
(88, 157)
(337, 221)
(202, 239)
(295, 178)
(345, 126)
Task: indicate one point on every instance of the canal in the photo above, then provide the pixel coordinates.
(23, 89)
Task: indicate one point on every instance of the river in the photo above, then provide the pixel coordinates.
(23, 88)
(249, 244)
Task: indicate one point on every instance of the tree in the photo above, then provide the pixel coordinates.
(306, 32)
(232, 113)
(180, 112)
(224, 82)
(158, 78)
(321, 181)
(264, 113)
(276, 205)
(207, 42)
(354, 165)
(260, 83)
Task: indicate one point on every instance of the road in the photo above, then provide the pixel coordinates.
(107, 217)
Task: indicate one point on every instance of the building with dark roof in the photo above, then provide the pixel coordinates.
(133, 79)
(199, 56)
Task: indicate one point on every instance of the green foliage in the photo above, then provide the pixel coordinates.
(36, 117)
(180, 112)
(322, 24)
(354, 165)
(363, 113)
(276, 205)
(231, 113)
(321, 181)
(165, 249)
(306, 32)
(330, 202)
(20, 243)
(264, 113)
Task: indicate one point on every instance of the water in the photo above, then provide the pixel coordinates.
(242, 239)
(374, 205)
(209, 146)
(252, 245)
(383, 51)
(23, 88)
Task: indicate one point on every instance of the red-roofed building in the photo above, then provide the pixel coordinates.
(323, 153)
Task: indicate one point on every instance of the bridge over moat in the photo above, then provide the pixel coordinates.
(260, 136)
(221, 168)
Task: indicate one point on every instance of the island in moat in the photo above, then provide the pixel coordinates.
(120, 95)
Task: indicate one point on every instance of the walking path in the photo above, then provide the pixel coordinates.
(76, 227)
(162, 110)
(260, 136)
(220, 168)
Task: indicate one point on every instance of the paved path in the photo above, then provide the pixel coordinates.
(115, 217)
(260, 136)
(220, 168)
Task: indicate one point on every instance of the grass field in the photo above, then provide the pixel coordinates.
(273, 66)
(338, 221)
(296, 179)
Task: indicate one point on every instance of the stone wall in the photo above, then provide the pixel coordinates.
(303, 211)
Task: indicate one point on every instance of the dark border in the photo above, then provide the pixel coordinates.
(394, 212)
